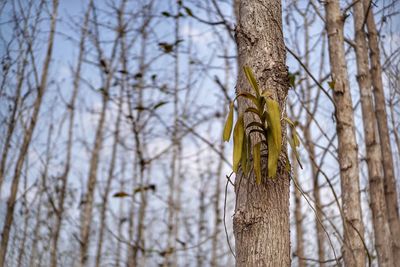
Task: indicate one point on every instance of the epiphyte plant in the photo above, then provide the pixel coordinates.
(267, 125)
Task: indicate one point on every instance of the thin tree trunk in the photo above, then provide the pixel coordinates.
(353, 248)
(27, 140)
(261, 220)
(108, 183)
(298, 214)
(20, 78)
(383, 240)
(139, 240)
(317, 199)
(391, 196)
(217, 208)
(172, 183)
(25, 212)
(311, 147)
(71, 107)
(88, 200)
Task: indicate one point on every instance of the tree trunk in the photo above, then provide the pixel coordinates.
(298, 214)
(261, 220)
(88, 199)
(383, 242)
(353, 248)
(381, 116)
(67, 168)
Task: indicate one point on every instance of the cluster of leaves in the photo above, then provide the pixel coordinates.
(267, 125)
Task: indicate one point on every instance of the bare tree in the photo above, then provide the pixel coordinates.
(27, 138)
(391, 195)
(353, 247)
(383, 238)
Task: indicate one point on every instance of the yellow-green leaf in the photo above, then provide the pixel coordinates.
(291, 123)
(257, 162)
(249, 97)
(273, 155)
(296, 153)
(228, 124)
(238, 134)
(244, 156)
(331, 84)
(296, 140)
(274, 123)
(252, 80)
(255, 111)
(288, 165)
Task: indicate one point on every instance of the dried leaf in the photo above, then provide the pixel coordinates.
(159, 104)
(228, 124)
(121, 194)
(188, 11)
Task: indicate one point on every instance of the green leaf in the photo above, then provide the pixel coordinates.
(257, 162)
(244, 156)
(238, 134)
(166, 14)
(252, 80)
(228, 124)
(292, 79)
(331, 84)
(274, 123)
(273, 155)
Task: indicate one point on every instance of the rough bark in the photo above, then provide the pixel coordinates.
(383, 240)
(353, 248)
(27, 139)
(381, 116)
(261, 219)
